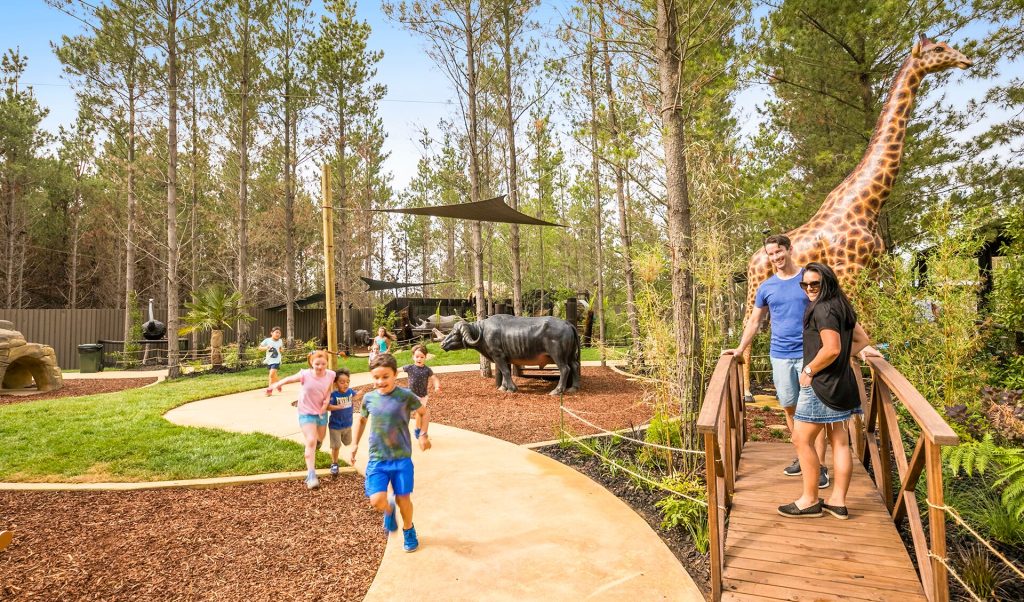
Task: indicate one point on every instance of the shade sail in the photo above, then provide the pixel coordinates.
(490, 210)
(381, 285)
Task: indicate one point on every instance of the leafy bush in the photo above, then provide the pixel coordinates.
(1008, 463)
(663, 431)
(677, 511)
(382, 317)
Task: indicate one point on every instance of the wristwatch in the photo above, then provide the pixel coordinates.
(807, 370)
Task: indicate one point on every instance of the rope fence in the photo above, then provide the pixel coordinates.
(955, 575)
(621, 436)
(608, 460)
(959, 520)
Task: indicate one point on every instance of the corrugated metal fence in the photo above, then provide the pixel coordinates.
(65, 329)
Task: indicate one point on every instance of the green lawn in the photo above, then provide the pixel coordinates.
(124, 437)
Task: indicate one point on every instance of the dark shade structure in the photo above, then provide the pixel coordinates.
(490, 210)
(381, 285)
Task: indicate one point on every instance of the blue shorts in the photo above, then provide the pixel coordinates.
(317, 419)
(811, 409)
(786, 376)
(273, 366)
(396, 472)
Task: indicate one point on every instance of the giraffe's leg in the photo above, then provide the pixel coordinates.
(747, 396)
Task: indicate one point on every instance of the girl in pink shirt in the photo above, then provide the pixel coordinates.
(314, 397)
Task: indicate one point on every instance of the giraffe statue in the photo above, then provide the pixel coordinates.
(843, 234)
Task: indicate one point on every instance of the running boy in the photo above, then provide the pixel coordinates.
(314, 397)
(420, 379)
(340, 423)
(390, 450)
(273, 345)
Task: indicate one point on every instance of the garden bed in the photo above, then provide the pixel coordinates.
(77, 387)
(642, 501)
(470, 402)
(252, 542)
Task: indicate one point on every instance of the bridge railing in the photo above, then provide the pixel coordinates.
(877, 440)
(721, 423)
(881, 441)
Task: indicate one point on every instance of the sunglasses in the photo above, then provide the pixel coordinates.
(811, 285)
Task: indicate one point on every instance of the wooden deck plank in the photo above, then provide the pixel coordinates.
(770, 557)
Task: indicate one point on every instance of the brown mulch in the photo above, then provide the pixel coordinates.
(77, 387)
(757, 416)
(470, 402)
(250, 542)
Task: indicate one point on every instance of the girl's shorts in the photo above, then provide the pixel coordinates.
(317, 419)
(811, 409)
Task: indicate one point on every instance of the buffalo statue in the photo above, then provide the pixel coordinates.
(508, 340)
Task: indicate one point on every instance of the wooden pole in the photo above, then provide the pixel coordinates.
(330, 303)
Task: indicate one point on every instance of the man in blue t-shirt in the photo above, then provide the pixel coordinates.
(786, 303)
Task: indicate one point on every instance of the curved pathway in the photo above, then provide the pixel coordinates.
(496, 521)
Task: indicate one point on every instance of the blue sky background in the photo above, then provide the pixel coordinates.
(410, 75)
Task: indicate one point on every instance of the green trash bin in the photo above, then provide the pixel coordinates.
(90, 357)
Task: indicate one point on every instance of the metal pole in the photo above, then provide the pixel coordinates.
(330, 304)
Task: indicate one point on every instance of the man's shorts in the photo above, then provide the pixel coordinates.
(786, 376)
(317, 419)
(273, 366)
(341, 436)
(396, 472)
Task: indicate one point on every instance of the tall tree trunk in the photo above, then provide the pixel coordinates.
(172, 188)
(668, 51)
(129, 246)
(242, 284)
(620, 194)
(289, 199)
(595, 169)
(73, 276)
(343, 240)
(194, 205)
(513, 169)
(474, 173)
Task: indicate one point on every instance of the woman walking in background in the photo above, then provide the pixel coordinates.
(828, 390)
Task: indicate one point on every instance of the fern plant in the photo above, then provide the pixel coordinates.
(1007, 462)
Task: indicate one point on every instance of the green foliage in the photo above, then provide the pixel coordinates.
(662, 430)
(758, 422)
(978, 456)
(692, 515)
(937, 351)
(213, 308)
(983, 575)
(382, 317)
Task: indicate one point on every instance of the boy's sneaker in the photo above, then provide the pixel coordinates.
(417, 433)
(823, 481)
(793, 470)
(334, 470)
(312, 482)
(390, 522)
(411, 541)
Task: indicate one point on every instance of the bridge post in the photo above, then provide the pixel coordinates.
(936, 522)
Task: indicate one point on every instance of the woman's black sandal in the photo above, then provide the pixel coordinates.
(839, 512)
(791, 510)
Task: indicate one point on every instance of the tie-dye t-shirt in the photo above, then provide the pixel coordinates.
(389, 424)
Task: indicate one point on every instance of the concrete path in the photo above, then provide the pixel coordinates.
(496, 521)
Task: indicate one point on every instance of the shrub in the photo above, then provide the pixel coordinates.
(978, 456)
(677, 511)
(983, 576)
(758, 423)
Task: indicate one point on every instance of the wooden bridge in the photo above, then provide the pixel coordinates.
(756, 554)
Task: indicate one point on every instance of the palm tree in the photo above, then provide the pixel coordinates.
(214, 309)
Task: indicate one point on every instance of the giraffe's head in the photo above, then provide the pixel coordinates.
(938, 56)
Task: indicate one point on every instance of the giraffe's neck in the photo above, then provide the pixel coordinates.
(865, 190)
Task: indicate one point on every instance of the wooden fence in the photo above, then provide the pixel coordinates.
(66, 329)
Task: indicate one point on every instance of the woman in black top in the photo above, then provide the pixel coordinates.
(828, 389)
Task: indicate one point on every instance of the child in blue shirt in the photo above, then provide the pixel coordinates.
(340, 423)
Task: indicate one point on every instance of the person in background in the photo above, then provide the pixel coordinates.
(273, 346)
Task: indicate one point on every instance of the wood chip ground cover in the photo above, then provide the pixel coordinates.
(253, 542)
(79, 387)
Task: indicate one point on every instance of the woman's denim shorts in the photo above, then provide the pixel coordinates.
(811, 409)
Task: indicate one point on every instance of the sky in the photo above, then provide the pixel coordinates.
(419, 94)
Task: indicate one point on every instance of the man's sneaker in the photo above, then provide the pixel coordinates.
(793, 470)
(411, 541)
(334, 469)
(823, 481)
(312, 482)
(390, 522)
